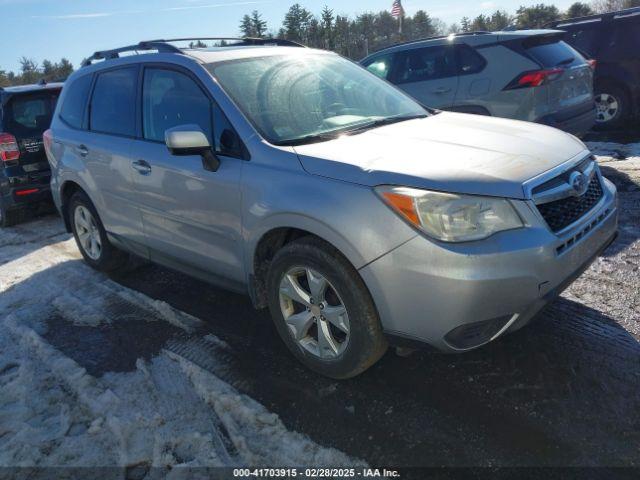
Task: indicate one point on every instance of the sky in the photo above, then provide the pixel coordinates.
(75, 29)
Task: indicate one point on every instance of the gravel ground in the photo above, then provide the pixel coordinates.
(564, 391)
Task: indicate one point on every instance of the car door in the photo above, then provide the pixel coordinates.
(191, 216)
(428, 74)
(474, 81)
(105, 150)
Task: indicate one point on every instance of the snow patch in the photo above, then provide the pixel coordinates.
(165, 413)
(259, 435)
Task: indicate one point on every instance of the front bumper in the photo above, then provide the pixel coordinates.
(425, 290)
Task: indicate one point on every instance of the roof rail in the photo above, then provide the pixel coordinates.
(164, 46)
(603, 16)
(436, 37)
(142, 46)
(239, 41)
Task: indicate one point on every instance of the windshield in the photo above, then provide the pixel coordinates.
(295, 99)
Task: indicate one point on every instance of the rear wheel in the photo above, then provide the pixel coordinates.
(612, 106)
(323, 311)
(91, 236)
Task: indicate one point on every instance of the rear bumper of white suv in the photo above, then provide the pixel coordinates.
(456, 297)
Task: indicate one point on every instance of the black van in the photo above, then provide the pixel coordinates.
(25, 113)
(613, 41)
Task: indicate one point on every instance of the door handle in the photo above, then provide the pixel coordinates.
(142, 167)
(440, 90)
(82, 150)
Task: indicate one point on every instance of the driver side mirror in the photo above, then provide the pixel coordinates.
(191, 140)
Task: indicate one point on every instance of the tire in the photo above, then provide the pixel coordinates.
(9, 218)
(354, 351)
(614, 96)
(107, 258)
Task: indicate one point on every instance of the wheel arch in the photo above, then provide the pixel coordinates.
(67, 190)
(270, 240)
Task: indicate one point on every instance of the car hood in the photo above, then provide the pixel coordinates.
(449, 152)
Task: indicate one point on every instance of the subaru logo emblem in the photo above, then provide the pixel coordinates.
(579, 183)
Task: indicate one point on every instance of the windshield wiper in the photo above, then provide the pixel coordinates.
(383, 121)
(316, 137)
(321, 137)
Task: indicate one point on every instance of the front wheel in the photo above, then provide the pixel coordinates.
(91, 236)
(323, 311)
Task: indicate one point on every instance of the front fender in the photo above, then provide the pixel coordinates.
(348, 216)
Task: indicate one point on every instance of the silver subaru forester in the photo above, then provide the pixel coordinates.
(358, 217)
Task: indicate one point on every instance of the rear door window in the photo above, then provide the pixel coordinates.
(424, 64)
(113, 103)
(30, 114)
(75, 101)
(552, 52)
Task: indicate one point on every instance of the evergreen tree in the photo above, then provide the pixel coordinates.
(296, 23)
(246, 26)
(578, 9)
(327, 28)
(258, 25)
(536, 16)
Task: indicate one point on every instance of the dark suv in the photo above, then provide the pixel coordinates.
(25, 113)
(613, 40)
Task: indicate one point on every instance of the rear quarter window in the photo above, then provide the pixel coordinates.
(469, 61)
(75, 101)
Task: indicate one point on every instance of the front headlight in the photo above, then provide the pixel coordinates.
(451, 217)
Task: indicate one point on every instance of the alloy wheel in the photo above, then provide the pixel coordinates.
(314, 313)
(88, 232)
(607, 107)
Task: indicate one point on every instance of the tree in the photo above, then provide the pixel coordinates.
(465, 25)
(197, 44)
(327, 27)
(296, 23)
(29, 71)
(422, 25)
(536, 16)
(603, 6)
(500, 20)
(578, 9)
(4, 79)
(246, 28)
(258, 25)
(65, 68)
